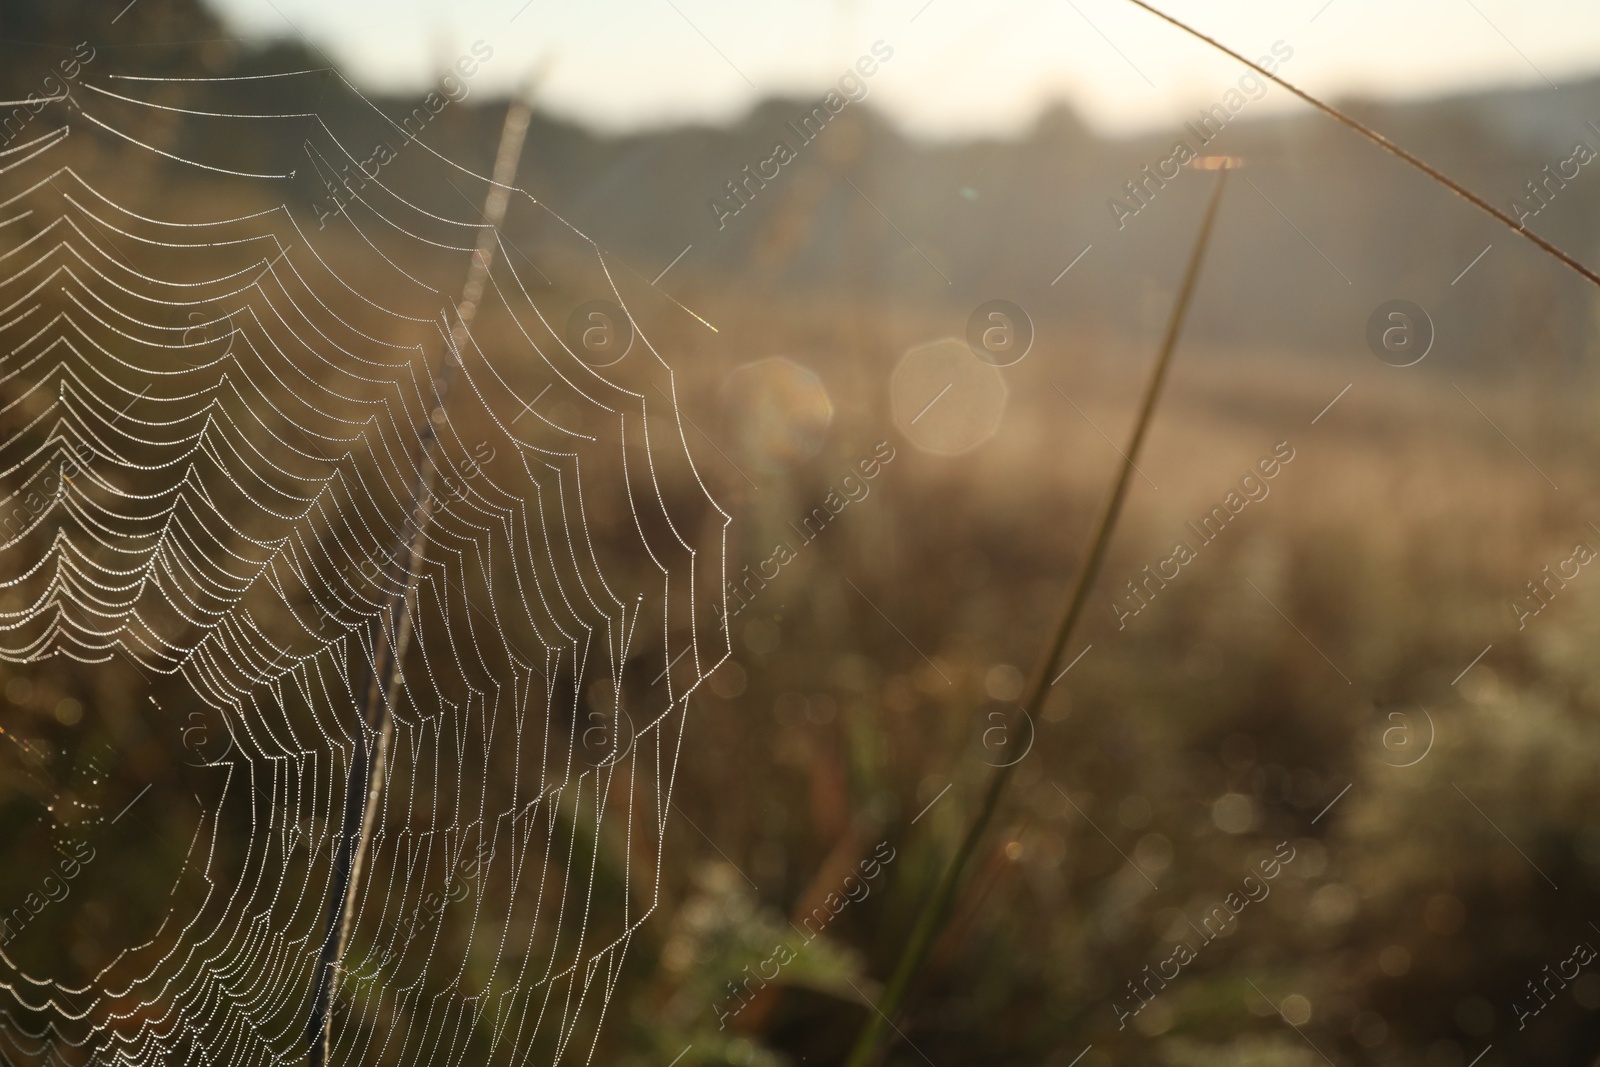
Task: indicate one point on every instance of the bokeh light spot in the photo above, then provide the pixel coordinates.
(945, 399)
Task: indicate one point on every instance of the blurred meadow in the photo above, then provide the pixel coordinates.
(1303, 696)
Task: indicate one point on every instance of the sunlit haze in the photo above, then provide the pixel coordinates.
(960, 68)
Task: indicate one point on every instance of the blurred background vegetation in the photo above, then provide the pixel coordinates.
(1257, 689)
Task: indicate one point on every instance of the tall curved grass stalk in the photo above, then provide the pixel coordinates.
(937, 909)
(934, 914)
(380, 683)
(1380, 140)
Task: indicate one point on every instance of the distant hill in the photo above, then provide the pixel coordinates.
(1330, 225)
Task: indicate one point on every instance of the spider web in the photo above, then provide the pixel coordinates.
(247, 454)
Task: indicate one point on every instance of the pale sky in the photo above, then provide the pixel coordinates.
(960, 67)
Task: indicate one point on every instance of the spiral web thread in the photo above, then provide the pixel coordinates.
(214, 426)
